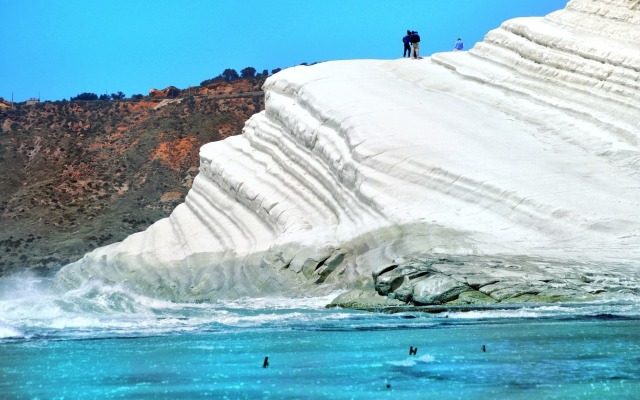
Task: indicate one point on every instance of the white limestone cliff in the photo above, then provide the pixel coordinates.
(527, 145)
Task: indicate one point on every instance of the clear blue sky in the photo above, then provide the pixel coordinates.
(56, 49)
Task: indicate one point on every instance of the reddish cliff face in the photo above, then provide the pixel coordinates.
(167, 93)
(78, 175)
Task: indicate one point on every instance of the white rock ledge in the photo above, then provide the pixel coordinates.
(526, 146)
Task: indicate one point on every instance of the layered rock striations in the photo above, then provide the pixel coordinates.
(525, 148)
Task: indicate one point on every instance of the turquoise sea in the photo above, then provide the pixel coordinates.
(105, 343)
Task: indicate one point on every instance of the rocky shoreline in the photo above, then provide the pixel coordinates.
(437, 284)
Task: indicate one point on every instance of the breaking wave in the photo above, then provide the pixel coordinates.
(30, 309)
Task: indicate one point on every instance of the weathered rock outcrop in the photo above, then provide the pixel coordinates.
(170, 92)
(528, 146)
(480, 280)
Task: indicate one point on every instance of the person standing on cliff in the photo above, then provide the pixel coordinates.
(407, 47)
(459, 46)
(415, 44)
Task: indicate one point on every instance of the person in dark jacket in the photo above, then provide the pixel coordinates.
(459, 46)
(407, 46)
(415, 44)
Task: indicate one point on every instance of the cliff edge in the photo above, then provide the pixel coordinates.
(521, 155)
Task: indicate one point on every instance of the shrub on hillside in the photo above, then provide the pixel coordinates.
(248, 72)
(85, 96)
(209, 81)
(230, 75)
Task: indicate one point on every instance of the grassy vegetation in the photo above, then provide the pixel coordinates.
(83, 174)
